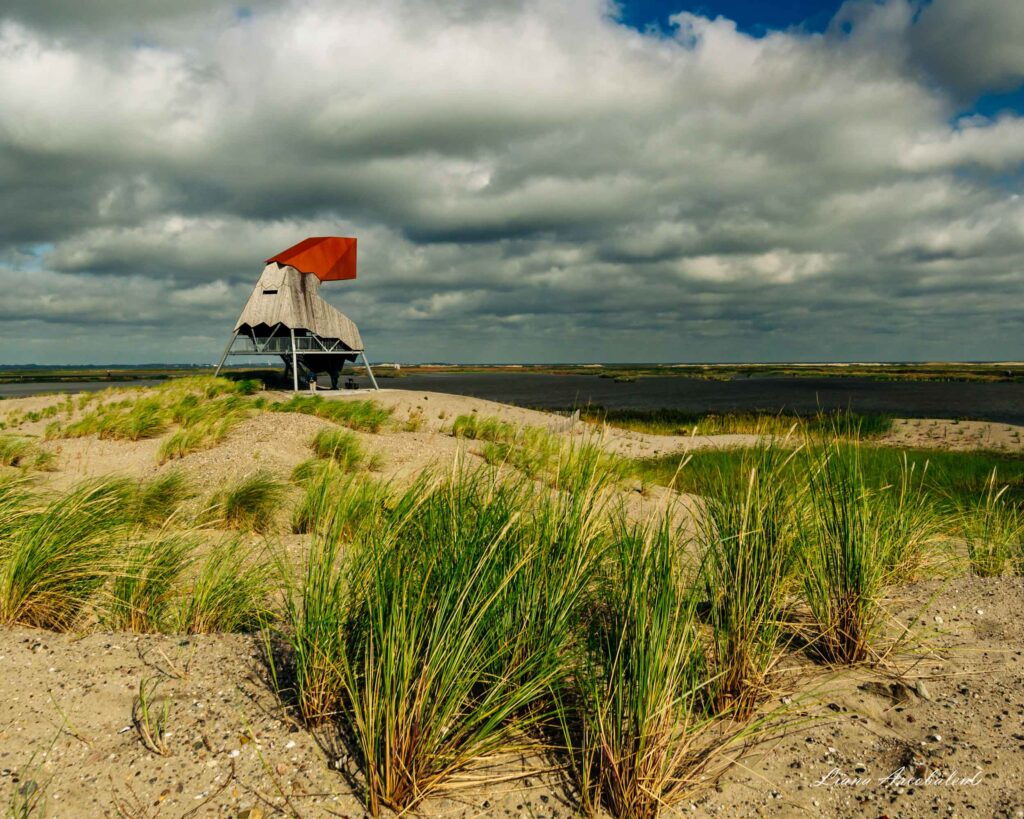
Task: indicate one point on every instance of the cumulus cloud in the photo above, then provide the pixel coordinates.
(528, 180)
(971, 47)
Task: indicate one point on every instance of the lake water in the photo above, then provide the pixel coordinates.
(932, 399)
(20, 390)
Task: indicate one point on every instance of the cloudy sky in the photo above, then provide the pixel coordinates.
(529, 180)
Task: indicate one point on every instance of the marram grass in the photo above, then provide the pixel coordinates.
(25, 453)
(333, 509)
(56, 559)
(634, 712)
(338, 445)
(250, 504)
(853, 537)
(747, 541)
(145, 586)
(230, 591)
(360, 414)
(344, 501)
(992, 530)
(14, 451)
(157, 500)
(435, 633)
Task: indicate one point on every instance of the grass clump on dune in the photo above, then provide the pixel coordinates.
(145, 585)
(363, 415)
(338, 445)
(57, 557)
(250, 504)
(208, 386)
(155, 501)
(359, 414)
(204, 423)
(482, 428)
(15, 508)
(431, 678)
(347, 501)
(634, 713)
(747, 540)
(533, 451)
(992, 530)
(144, 418)
(543, 455)
(429, 634)
(914, 521)
(205, 409)
(335, 507)
(16, 451)
(680, 422)
(231, 592)
(848, 536)
(199, 436)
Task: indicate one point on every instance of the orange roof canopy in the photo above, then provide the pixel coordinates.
(329, 258)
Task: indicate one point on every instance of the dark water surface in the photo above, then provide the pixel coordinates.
(931, 399)
(20, 390)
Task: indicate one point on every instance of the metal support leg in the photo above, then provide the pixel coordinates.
(295, 364)
(234, 335)
(369, 372)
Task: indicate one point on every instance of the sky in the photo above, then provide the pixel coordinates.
(529, 180)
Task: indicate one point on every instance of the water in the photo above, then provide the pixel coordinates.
(927, 399)
(20, 390)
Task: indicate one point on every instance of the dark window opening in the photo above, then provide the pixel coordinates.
(269, 292)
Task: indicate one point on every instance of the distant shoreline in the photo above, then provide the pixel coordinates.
(988, 372)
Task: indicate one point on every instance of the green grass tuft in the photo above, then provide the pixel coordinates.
(846, 538)
(157, 500)
(57, 558)
(338, 445)
(345, 502)
(358, 414)
(992, 529)
(25, 453)
(747, 538)
(14, 451)
(634, 713)
(145, 586)
(482, 428)
(250, 504)
(231, 592)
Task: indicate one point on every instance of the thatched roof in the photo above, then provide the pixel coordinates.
(285, 296)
